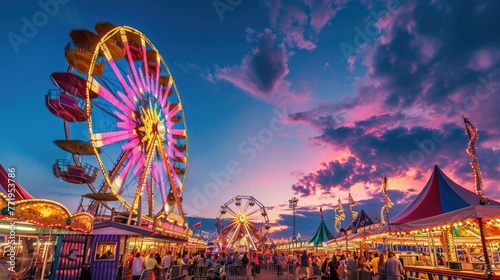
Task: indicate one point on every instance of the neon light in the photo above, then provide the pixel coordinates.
(115, 69)
(129, 58)
(126, 100)
(106, 138)
(145, 61)
(173, 111)
(135, 90)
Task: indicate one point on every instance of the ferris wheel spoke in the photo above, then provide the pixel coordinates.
(179, 132)
(134, 142)
(108, 96)
(249, 236)
(130, 60)
(140, 166)
(120, 179)
(170, 176)
(157, 76)
(135, 89)
(170, 110)
(142, 84)
(144, 61)
(173, 173)
(105, 138)
(178, 153)
(157, 174)
(245, 208)
(164, 93)
(126, 100)
(154, 82)
(233, 235)
(232, 212)
(253, 212)
(115, 69)
(145, 163)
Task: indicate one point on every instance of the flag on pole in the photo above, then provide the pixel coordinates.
(321, 212)
(351, 200)
(198, 224)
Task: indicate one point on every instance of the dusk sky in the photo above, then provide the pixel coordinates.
(311, 99)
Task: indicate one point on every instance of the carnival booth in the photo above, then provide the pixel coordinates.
(446, 228)
(48, 238)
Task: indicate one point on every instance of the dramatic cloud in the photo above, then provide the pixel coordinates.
(261, 72)
(436, 55)
(432, 62)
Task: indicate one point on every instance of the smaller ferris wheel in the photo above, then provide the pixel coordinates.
(242, 222)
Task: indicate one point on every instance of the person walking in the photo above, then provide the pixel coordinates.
(167, 260)
(137, 267)
(304, 264)
(393, 268)
(334, 268)
(374, 263)
(352, 265)
(381, 266)
(245, 263)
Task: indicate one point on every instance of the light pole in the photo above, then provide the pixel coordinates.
(293, 204)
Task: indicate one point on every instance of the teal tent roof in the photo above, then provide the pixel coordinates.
(321, 235)
(361, 221)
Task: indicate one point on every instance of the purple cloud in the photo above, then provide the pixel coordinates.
(261, 72)
(432, 62)
(301, 21)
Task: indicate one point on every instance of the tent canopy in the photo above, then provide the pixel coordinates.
(361, 221)
(321, 235)
(440, 195)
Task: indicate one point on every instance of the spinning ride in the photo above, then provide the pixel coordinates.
(242, 222)
(121, 107)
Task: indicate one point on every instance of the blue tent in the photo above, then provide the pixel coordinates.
(361, 221)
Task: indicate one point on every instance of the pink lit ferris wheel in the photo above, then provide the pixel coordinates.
(124, 123)
(242, 224)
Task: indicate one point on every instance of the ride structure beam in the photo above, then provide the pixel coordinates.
(142, 180)
(93, 206)
(170, 177)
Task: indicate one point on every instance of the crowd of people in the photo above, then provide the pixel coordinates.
(137, 263)
(333, 267)
(301, 264)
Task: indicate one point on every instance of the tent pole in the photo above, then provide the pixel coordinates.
(433, 252)
(487, 271)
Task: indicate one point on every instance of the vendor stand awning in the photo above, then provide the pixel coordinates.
(45, 213)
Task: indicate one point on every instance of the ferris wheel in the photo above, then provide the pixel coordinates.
(242, 221)
(119, 90)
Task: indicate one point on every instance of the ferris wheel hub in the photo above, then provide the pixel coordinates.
(242, 218)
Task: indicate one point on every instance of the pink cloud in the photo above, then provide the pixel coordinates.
(351, 61)
(483, 59)
(262, 73)
(323, 11)
(292, 24)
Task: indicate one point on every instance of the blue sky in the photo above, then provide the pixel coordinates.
(348, 90)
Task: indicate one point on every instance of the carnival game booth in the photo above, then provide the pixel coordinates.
(445, 220)
(49, 240)
(114, 245)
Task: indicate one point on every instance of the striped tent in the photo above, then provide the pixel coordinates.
(439, 196)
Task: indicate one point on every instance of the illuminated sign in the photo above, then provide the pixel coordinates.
(172, 222)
